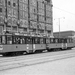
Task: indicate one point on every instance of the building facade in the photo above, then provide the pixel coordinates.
(26, 17)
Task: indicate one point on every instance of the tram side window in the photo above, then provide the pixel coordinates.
(41, 41)
(3, 40)
(36, 40)
(47, 41)
(44, 40)
(22, 40)
(71, 41)
(16, 40)
(9, 39)
(0, 40)
(61, 40)
(68, 40)
(56, 40)
(28, 40)
(52, 40)
(13, 40)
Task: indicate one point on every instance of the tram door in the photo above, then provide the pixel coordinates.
(35, 42)
(29, 44)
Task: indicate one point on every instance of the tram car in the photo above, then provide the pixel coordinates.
(55, 44)
(16, 44)
(20, 44)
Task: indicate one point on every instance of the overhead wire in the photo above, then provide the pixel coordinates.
(63, 10)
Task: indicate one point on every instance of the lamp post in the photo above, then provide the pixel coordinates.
(59, 23)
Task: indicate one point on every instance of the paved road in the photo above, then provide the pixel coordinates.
(58, 67)
(21, 61)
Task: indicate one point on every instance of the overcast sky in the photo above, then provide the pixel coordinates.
(64, 8)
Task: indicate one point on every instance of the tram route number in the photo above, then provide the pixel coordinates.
(1, 47)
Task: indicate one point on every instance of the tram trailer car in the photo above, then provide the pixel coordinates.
(16, 44)
(59, 44)
(70, 43)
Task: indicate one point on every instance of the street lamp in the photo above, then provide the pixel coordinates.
(59, 23)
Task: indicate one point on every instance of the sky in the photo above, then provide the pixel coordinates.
(65, 10)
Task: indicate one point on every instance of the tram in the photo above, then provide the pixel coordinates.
(21, 44)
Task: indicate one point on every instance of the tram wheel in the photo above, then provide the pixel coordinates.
(24, 53)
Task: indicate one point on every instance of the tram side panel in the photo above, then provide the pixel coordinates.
(16, 48)
(54, 46)
(70, 43)
(15, 43)
(40, 47)
(39, 44)
(53, 43)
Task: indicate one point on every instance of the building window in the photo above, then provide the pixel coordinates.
(0, 1)
(14, 4)
(9, 3)
(0, 9)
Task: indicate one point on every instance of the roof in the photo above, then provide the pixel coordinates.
(64, 34)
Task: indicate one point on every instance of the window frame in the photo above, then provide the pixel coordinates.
(0, 40)
(38, 40)
(48, 41)
(10, 41)
(1, 10)
(28, 42)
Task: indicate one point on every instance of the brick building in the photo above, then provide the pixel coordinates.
(26, 16)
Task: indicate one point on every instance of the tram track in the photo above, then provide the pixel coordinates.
(16, 58)
(15, 62)
(23, 57)
(7, 59)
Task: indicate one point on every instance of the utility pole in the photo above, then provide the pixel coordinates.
(59, 23)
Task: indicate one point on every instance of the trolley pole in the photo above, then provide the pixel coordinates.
(59, 27)
(59, 23)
